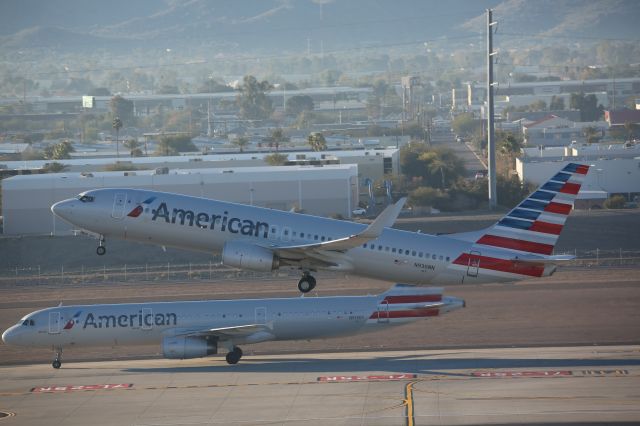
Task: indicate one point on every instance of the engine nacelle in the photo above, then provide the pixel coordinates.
(249, 256)
(188, 347)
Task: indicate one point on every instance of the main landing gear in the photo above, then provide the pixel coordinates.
(306, 283)
(101, 250)
(56, 361)
(234, 356)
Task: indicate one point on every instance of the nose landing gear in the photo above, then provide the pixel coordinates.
(101, 250)
(57, 363)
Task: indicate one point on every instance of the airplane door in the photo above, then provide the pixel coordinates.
(261, 315)
(119, 204)
(473, 263)
(147, 318)
(383, 312)
(54, 322)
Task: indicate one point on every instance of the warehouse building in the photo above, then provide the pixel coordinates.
(329, 190)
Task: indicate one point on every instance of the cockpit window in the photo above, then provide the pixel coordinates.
(28, 322)
(86, 198)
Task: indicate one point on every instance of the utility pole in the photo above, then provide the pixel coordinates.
(491, 147)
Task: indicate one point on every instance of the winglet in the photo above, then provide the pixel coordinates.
(386, 219)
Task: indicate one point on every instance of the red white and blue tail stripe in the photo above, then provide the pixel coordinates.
(535, 224)
(522, 242)
(404, 303)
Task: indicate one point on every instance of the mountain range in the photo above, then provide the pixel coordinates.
(277, 26)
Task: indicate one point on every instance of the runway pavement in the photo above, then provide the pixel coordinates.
(550, 385)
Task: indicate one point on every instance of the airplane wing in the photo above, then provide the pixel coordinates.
(229, 333)
(325, 252)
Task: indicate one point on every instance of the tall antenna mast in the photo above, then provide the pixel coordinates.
(491, 146)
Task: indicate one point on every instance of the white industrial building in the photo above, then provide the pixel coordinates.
(372, 163)
(320, 190)
(606, 176)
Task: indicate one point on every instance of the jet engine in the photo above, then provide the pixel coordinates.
(188, 347)
(249, 256)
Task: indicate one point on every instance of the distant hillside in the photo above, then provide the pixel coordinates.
(564, 18)
(285, 25)
(276, 25)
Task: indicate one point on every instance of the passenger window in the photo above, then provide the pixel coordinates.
(393, 249)
(322, 238)
(433, 257)
(364, 245)
(315, 237)
(302, 235)
(420, 254)
(440, 258)
(413, 253)
(406, 252)
(373, 246)
(379, 247)
(447, 258)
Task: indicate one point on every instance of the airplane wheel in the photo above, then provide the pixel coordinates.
(101, 250)
(306, 284)
(237, 351)
(56, 364)
(233, 357)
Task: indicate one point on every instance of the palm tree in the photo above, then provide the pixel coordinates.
(317, 141)
(241, 142)
(117, 124)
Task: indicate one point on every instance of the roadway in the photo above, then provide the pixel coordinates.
(579, 385)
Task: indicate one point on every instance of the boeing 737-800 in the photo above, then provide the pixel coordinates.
(518, 246)
(197, 329)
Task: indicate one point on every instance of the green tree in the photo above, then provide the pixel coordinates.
(317, 141)
(241, 142)
(442, 166)
(122, 108)
(278, 137)
(172, 145)
(59, 151)
(117, 125)
(276, 159)
(588, 106)
(133, 146)
(465, 124)
(296, 104)
(557, 103)
(252, 99)
(591, 134)
(615, 202)
(54, 167)
(538, 105)
(425, 196)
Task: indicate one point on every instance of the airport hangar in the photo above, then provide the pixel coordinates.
(321, 190)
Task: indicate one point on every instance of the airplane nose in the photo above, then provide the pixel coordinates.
(9, 335)
(63, 209)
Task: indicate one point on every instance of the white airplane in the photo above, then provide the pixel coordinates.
(518, 246)
(197, 329)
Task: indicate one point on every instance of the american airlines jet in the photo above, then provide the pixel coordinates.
(518, 246)
(197, 329)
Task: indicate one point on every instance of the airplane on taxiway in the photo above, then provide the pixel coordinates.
(198, 329)
(519, 246)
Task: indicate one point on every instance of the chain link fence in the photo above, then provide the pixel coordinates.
(213, 271)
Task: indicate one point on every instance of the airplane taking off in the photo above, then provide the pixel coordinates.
(518, 246)
(197, 329)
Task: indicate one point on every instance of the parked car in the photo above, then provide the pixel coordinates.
(481, 174)
(359, 211)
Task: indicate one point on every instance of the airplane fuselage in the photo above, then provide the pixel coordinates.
(206, 225)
